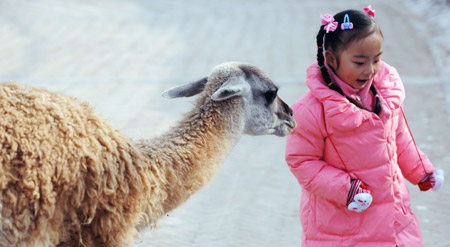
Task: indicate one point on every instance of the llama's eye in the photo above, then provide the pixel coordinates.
(270, 95)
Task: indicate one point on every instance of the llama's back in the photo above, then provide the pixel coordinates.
(59, 162)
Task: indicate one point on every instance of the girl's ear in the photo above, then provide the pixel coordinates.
(331, 59)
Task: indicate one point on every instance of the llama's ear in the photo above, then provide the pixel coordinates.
(187, 90)
(235, 86)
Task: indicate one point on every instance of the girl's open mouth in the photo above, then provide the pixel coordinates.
(362, 81)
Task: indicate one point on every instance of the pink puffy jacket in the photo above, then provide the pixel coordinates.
(334, 142)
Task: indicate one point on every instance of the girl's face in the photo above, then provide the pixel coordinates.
(359, 62)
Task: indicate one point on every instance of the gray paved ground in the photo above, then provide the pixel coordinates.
(120, 55)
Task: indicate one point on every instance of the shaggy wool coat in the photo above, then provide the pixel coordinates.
(334, 142)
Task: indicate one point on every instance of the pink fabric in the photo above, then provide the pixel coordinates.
(370, 11)
(375, 149)
(330, 24)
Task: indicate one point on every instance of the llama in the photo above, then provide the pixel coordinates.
(68, 178)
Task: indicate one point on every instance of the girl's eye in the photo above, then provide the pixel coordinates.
(359, 63)
(377, 61)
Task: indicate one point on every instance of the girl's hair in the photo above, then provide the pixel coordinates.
(338, 40)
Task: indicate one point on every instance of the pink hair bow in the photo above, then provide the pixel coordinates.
(330, 24)
(370, 11)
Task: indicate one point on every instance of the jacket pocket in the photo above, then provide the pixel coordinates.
(336, 219)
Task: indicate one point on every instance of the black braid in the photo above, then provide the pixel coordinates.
(377, 108)
(320, 58)
(333, 86)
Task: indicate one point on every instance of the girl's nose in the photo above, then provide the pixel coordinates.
(369, 70)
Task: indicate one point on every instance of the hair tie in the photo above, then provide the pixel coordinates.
(370, 11)
(330, 24)
(346, 25)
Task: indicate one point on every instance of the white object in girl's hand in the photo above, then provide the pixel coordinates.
(360, 202)
(439, 178)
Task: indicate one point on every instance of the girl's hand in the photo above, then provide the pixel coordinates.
(432, 181)
(359, 197)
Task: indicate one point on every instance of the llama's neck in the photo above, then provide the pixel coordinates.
(189, 156)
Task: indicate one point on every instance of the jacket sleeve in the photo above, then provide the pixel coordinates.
(304, 155)
(413, 163)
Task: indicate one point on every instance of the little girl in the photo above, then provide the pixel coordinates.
(352, 148)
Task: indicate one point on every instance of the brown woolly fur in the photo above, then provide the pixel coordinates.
(68, 178)
(66, 174)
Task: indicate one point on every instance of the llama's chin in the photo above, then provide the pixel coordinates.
(282, 132)
(279, 130)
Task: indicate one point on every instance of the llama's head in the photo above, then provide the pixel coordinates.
(265, 112)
